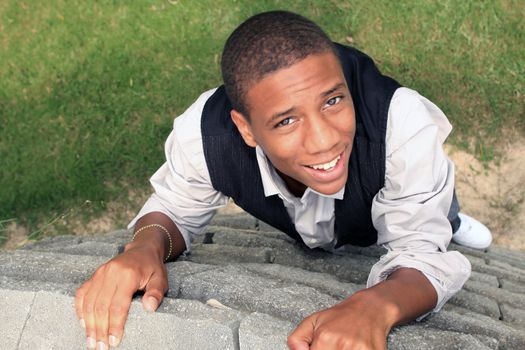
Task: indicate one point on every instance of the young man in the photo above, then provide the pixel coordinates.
(311, 138)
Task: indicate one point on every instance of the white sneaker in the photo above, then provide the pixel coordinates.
(472, 233)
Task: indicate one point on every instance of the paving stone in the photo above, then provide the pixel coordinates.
(506, 266)
(53, 325)
(15, 307)
(322, 282)
(499, 272)
(46, 266)
(196, 310)
(347, 268)
(244, 238)
(52, 242)
(261, 331)
(223, 254)
(477, 303)
(484, 278)
(17, 283)
(512, 286)
(475, 324)
(244, 221)
(261, 301)
(498, 294)
(178, 270)
(244, 290)
(92, 248)
(513, 316)
(479, 253)
(417, 338)
(511, 257)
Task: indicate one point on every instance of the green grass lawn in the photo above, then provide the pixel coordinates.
(89, 89)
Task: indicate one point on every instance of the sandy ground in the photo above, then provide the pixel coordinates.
(494, 194)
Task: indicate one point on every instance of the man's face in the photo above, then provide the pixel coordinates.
(303, 118)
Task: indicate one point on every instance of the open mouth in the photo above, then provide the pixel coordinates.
(329, 166)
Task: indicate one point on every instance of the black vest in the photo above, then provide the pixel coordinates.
(234, 170)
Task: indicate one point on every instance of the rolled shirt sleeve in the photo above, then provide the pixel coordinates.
(410, 211)
(182, 185)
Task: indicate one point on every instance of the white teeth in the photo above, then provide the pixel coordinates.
(326, 166)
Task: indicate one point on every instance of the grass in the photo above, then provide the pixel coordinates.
(89, 90)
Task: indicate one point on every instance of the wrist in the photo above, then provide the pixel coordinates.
(374, 302)
(151, 243)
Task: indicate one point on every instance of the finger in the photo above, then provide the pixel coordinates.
(301, 337)
(79, 301)
(88, 307)
(154, 292)
(102, 305)
(118, 313)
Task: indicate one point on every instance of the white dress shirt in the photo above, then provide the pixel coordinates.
(409, 212)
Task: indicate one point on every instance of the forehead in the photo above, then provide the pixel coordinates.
(302, 83)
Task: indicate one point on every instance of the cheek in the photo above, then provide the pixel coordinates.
(283, 151)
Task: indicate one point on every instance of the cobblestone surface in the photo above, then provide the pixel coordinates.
(246, 286)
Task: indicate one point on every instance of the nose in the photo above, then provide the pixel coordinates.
(321, 136)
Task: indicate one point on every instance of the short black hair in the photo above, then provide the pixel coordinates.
(265, 43)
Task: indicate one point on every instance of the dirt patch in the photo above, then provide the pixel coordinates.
(494, 193)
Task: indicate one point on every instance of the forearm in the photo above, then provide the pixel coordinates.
(156, 238)
(402, 297)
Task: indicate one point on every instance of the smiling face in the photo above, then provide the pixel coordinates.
(303, 118)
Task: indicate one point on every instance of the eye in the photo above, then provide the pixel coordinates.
(285, 122)
(333, 101)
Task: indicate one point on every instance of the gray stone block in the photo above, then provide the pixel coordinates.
(261, 331)
(53, 325)
(477, 303)
(512, 286)
(46, 266)
(468, 322)
(241, 221)
(236, 287)
(223, 254)
(498, 294)
(93, 248)
(244, 238)
(416, 338)
(499, 272)
(514, 316)
(490, 280)
(16, 283)
(322, 282)
(15, 307)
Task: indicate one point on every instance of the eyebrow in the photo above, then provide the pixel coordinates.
(290, 110)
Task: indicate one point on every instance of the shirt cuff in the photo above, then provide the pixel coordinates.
(447, 272)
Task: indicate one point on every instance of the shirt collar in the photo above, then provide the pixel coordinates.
(273, 184)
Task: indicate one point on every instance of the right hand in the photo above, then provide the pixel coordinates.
(102, 302)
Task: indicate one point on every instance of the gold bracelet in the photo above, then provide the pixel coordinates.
(163, 229)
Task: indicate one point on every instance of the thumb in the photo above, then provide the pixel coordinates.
(154, 292)
(301, 337)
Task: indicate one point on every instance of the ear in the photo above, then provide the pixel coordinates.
(244, 127)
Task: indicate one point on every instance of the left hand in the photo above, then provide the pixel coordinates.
(359, 322)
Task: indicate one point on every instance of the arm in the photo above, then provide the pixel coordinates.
(102, 303)
(364, 320)
(184, 202)
(417, 275)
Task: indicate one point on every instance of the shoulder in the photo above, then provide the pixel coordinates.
(184, 145)
(411, 113)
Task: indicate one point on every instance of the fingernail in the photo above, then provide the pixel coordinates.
(151, 304)
(91, 343)
(113, 341)
(82, 323)
(102, 346)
